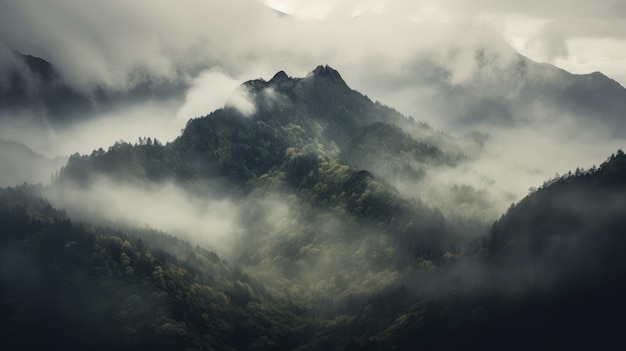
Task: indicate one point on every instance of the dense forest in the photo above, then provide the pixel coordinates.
(331, 243)
(550, 267)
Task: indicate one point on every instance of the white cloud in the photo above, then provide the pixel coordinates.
(153, 119)
(543, 31)
(116, 43)
(209, 221)
(242, 99)
(208, 92)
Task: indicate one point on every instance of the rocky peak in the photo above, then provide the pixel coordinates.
(279, 77)
(328, 73)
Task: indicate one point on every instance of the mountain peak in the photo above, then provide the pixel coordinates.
(38, 66)
(327, 72)
(281, 76)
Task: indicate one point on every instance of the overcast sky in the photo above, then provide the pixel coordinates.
(579, 36)
(114, 42)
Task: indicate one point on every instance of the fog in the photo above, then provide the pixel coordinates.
(416, 244)
(306, 253)
(296, 250)
(151, 119)
(20, 165)
(208, 92)
(507, 167)
(212, 222)
(148, 40)
(439, 63)
(214, 46)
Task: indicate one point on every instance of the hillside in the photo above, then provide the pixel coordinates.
(303, 184)
(296, 197)
(73, 285)
(548, 274)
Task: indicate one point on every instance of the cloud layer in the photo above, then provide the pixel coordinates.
(395, 52)
(116, 43)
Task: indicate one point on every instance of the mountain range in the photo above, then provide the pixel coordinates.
(300, 216)
(498, 87)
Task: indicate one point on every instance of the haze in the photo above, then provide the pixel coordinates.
(398, 53)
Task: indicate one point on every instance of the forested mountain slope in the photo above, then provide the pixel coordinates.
(287, 146)
(73, 285)
(549, 273)
(325, 251)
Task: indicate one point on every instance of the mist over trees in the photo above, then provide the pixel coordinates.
(304, 215)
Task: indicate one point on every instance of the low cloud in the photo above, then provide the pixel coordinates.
(19, 164)
(171, 42)
(150, 119)
(209, 221)
(208, 92)
(550, 42)
(303, 252)
(243, 100)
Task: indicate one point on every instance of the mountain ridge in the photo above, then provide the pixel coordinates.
(328, 253)
(289, 151)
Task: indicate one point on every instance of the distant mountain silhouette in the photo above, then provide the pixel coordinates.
(503, 88)
(21, 165)
(33, 88)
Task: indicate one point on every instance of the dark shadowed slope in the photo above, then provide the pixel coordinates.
(75, 286)
(570, 230)
(550, 274)
(31, 88)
